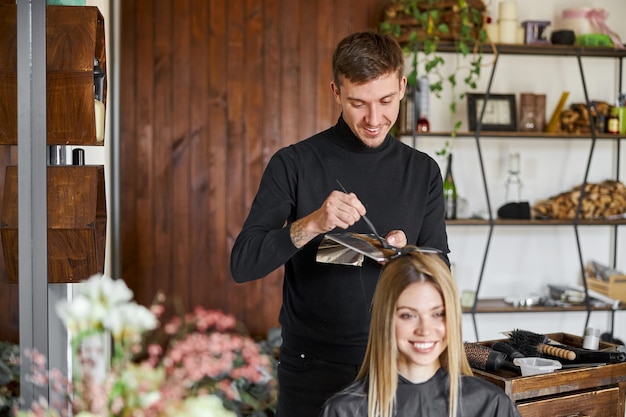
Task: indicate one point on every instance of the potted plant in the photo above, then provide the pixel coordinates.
(424, 25)
(164, 361)
(9, 377)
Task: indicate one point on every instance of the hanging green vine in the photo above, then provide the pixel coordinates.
(422, 25)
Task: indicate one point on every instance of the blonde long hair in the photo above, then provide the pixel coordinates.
(380, 362)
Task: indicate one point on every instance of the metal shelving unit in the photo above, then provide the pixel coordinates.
(498, 305)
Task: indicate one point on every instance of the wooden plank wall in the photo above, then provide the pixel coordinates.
(209, 91)
(9, 295)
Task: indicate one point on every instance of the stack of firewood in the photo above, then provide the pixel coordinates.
(600, 201)
(575, 119)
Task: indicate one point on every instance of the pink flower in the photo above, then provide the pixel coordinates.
(117, 405)
(38, 359)
(226, 387)
(157, 310)
(200, 354)
(172, 327)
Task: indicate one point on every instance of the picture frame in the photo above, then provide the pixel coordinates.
(500, 113)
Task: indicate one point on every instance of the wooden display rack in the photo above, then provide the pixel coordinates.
(75, 36)
(583, 391)
(76, 207)
(614, 287)
(77, 219)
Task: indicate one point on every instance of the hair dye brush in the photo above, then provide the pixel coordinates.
(597, 356)
(486, 359)
(534, 344)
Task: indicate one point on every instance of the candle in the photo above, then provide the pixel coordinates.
(507, 10)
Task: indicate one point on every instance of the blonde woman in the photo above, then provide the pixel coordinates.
(415, 363)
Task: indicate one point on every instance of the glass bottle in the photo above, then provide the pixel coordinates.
(449, 192)
(528, 122)
(406, 116)
(98, 98)
(98, 80)
(612, 123)
(423, 125)
(513, 192)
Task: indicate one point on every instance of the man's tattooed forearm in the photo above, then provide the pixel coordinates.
(299, 237)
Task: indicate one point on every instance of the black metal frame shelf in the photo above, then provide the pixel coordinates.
(540, 49)
(482, 306)
(534, 222)
(517, 135)
(498, 305)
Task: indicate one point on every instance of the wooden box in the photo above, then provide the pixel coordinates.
(615, 287)
(76, 223)
(74, 36)
(597, 391)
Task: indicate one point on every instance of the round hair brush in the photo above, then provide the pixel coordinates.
(482, 357)
(534, 344)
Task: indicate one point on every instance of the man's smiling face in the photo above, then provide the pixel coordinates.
(370, 109)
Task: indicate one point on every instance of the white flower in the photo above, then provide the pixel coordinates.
(79, 315)
(129, 320)
(105, 291)
(150, 398)
(102, 303)
(204, 406)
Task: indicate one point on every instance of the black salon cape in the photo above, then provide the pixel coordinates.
(478, 398)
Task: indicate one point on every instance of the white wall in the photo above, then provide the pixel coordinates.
(524, 259)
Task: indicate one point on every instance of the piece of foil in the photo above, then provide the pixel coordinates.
(349, 249)
(331, 252)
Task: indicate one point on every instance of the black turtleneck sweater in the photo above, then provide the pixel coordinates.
(325, 310)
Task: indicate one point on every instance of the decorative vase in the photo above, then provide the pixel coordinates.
(92, 357)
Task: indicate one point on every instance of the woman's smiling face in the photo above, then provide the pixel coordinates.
(420, 325)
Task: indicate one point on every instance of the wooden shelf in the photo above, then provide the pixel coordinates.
(516, 135)
(533, 222)
(540, 49)
(77, 219)
(498, 305)
(76, 206)
(75, 36)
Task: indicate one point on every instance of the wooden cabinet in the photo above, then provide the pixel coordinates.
(75, 36)
(597, 391)
(76, 223)
(77, 214)
(603, 402)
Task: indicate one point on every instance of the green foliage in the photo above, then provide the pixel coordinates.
(431, 25)
(9, 377)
